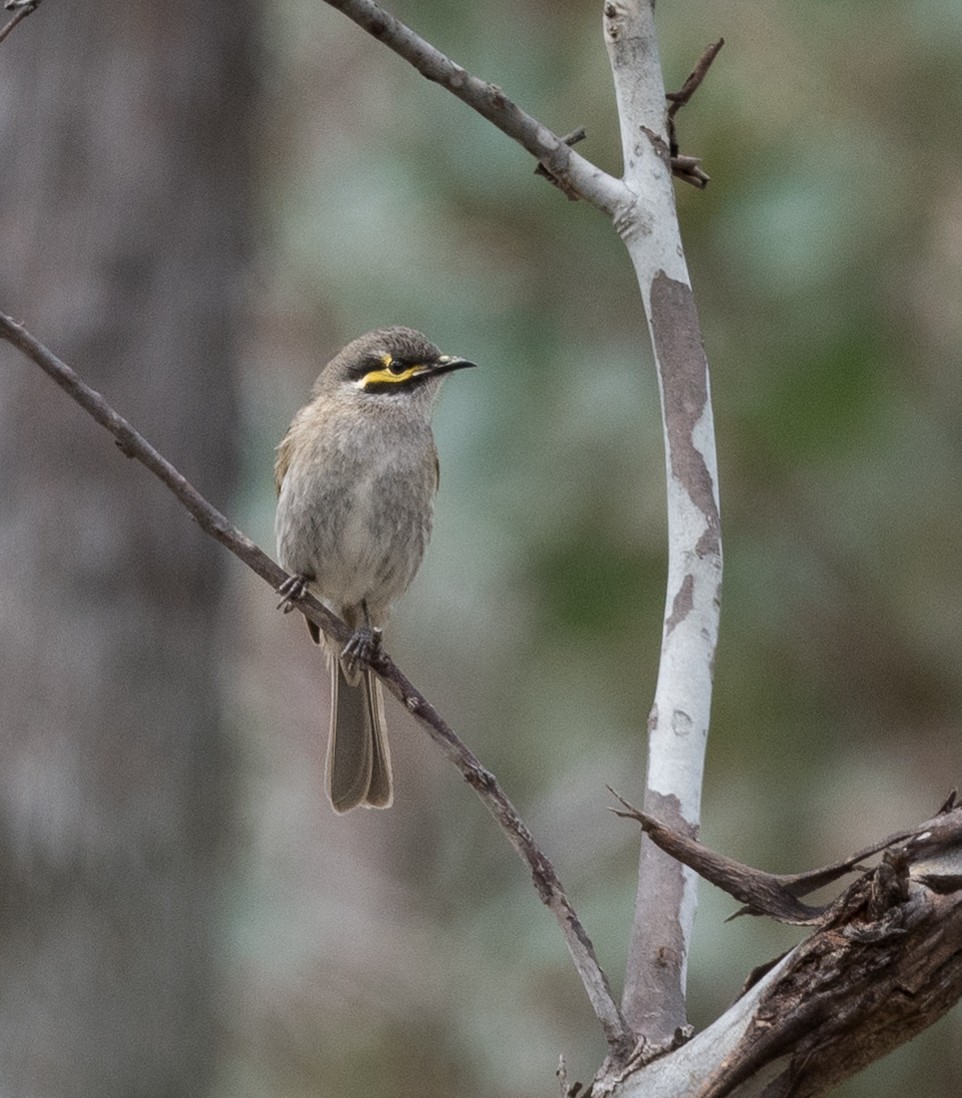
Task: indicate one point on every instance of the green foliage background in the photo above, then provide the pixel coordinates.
(405, 953)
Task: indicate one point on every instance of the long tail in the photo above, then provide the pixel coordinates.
(358, 757)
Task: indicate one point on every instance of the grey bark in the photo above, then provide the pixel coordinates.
(122, 133)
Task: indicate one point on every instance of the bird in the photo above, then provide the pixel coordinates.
(356, 475)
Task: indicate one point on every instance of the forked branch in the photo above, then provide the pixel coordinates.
(884, 962)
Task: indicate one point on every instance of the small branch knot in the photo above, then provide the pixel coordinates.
(542, 169)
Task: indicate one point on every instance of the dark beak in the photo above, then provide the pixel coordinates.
(448, 363)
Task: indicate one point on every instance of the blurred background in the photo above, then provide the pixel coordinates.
(200, 207)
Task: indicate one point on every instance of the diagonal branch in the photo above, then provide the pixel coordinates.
(484, 783)
(21, 9)
(931, 848)
(762, 893)
(576, 175)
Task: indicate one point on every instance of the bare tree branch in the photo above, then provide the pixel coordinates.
(655, 995)
(688, 168)
(680, 98)
(484, 783)
(884, 962)
(21, 9)
(931, 846)
(762, 893)
(576, 175)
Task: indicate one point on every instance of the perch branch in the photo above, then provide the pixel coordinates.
(212, 522)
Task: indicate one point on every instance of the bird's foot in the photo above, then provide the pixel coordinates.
(362, 647)
(292, 590)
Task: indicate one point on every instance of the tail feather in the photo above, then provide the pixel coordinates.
(358, 757)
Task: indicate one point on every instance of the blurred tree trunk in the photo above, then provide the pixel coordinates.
(123, 131)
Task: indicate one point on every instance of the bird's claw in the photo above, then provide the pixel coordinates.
(292, 590)
(361, 648)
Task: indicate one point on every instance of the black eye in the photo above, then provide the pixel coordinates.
(396, 368)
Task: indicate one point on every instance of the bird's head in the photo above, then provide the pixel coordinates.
(389, 363)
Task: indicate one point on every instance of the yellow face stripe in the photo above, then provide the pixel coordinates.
(386, 376)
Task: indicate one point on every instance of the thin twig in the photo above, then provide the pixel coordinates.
(679, 98)
(688, 168)
(21, 8)
(212, 522)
